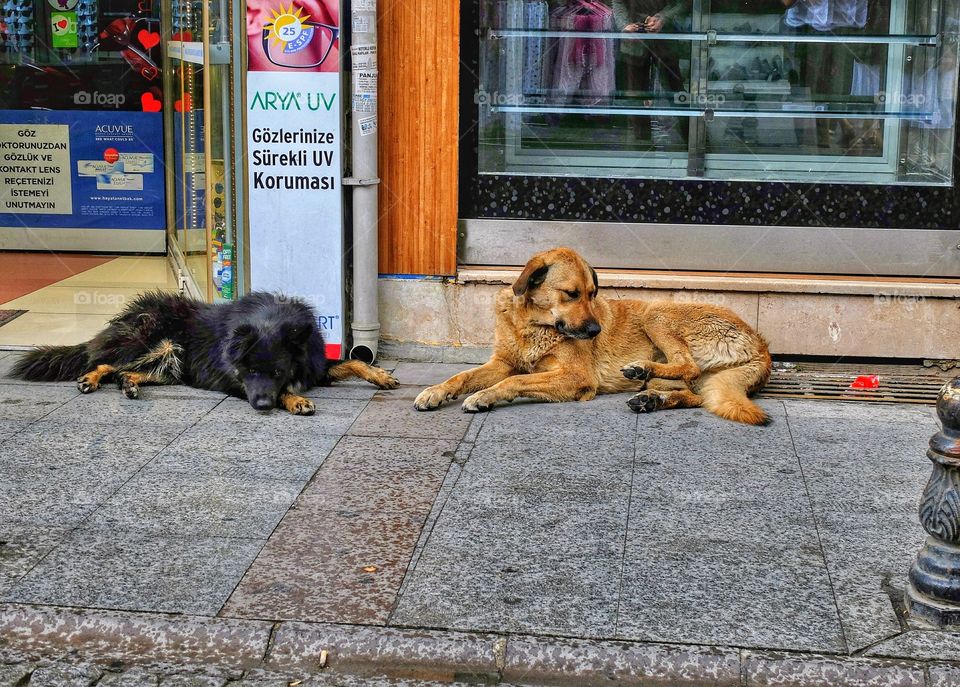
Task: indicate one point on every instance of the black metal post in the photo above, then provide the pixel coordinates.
(933, 596)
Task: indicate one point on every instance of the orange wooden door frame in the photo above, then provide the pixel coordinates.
(419, 62)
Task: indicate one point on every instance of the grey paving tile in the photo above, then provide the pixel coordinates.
(27, 402)
(197, 506)
(138, 571)
(22, 547)
(527, 541)
(9, 428)
(892, 447)
(333, 416)
(108, 405)
(767, 670)
(177, 391)
(569, 595)
(391, 414)
(920, 645)
(943, 675)
(37, 497)
(353, 391)
(64, 675)
(232, 449)
(584, 426)
(82, 450)
(427, 374)
(341, 552)
(865, 478)
(864, 412)
(869, 558)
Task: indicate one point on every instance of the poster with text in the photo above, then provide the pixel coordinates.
(75, 169)
(293, 156)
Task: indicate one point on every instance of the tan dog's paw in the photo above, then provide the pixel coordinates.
(480, 402)
(638, 371)
(384, 379)
(432, 397)
(646, 402)
(298, 405)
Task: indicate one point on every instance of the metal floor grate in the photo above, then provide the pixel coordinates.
(904, 384)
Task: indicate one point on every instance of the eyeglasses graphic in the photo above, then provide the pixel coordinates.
(304, 46)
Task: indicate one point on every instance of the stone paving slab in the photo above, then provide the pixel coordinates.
(341, 552)
(391, 414)
(22, 547)
(922, 645)
(244, 450)
(333, 416)
(180, 505)
(110, 406)
(10, 428)
(422, 375)
(26, 402)
(138, 571)
(785, 670)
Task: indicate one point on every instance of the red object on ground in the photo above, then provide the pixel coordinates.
(866, 382)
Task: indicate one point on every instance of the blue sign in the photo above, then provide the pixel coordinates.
(82, 169)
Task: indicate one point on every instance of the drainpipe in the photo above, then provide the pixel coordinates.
(365, 325)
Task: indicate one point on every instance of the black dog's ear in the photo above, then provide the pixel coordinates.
(532, 276)
(296, 334)
(241, 340)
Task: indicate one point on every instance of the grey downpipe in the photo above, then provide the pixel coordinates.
(365, 326)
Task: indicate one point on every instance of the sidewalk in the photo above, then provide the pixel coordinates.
(535, 544)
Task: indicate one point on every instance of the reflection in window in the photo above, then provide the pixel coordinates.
(858, 91)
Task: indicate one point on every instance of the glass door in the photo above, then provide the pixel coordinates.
(202, 229)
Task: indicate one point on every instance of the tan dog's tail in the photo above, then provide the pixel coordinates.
(725, 392)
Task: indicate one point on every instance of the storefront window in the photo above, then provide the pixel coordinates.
(847, 91)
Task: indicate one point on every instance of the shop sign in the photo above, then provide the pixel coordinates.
(294, 146)
(114, 181)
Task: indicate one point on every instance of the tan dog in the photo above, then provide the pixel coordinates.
(556, 339)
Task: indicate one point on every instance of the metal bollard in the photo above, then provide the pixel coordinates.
(933, 595)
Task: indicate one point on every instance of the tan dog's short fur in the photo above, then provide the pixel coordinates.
(556, 339)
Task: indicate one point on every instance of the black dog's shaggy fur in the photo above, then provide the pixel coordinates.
(262, 347)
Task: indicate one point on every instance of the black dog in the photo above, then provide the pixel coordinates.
(263, 348)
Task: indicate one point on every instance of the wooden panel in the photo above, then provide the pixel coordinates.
(419, 45)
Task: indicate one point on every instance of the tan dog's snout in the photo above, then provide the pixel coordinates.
(588, 329)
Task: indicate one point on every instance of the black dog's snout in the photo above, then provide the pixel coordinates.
(262, 403)
(592, 329)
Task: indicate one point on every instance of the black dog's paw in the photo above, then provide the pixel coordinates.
(636, 371)
(87, 384)
(128, 387)
(646, 402)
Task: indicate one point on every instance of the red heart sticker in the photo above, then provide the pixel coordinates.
(185, 104)
(149, 103)
(63, 24)
(182, 36)
(148, 39)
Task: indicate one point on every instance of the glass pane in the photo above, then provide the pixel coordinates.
(834, 90)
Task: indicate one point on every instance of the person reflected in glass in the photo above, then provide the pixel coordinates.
(641, 57)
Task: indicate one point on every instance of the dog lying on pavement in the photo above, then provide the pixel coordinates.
(557, 339)
(263, 347)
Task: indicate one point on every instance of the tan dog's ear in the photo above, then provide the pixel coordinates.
(532, 276)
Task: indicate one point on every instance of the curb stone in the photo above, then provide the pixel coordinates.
(788, 670)
(186, 650)
(420, 654)
(570, 661)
